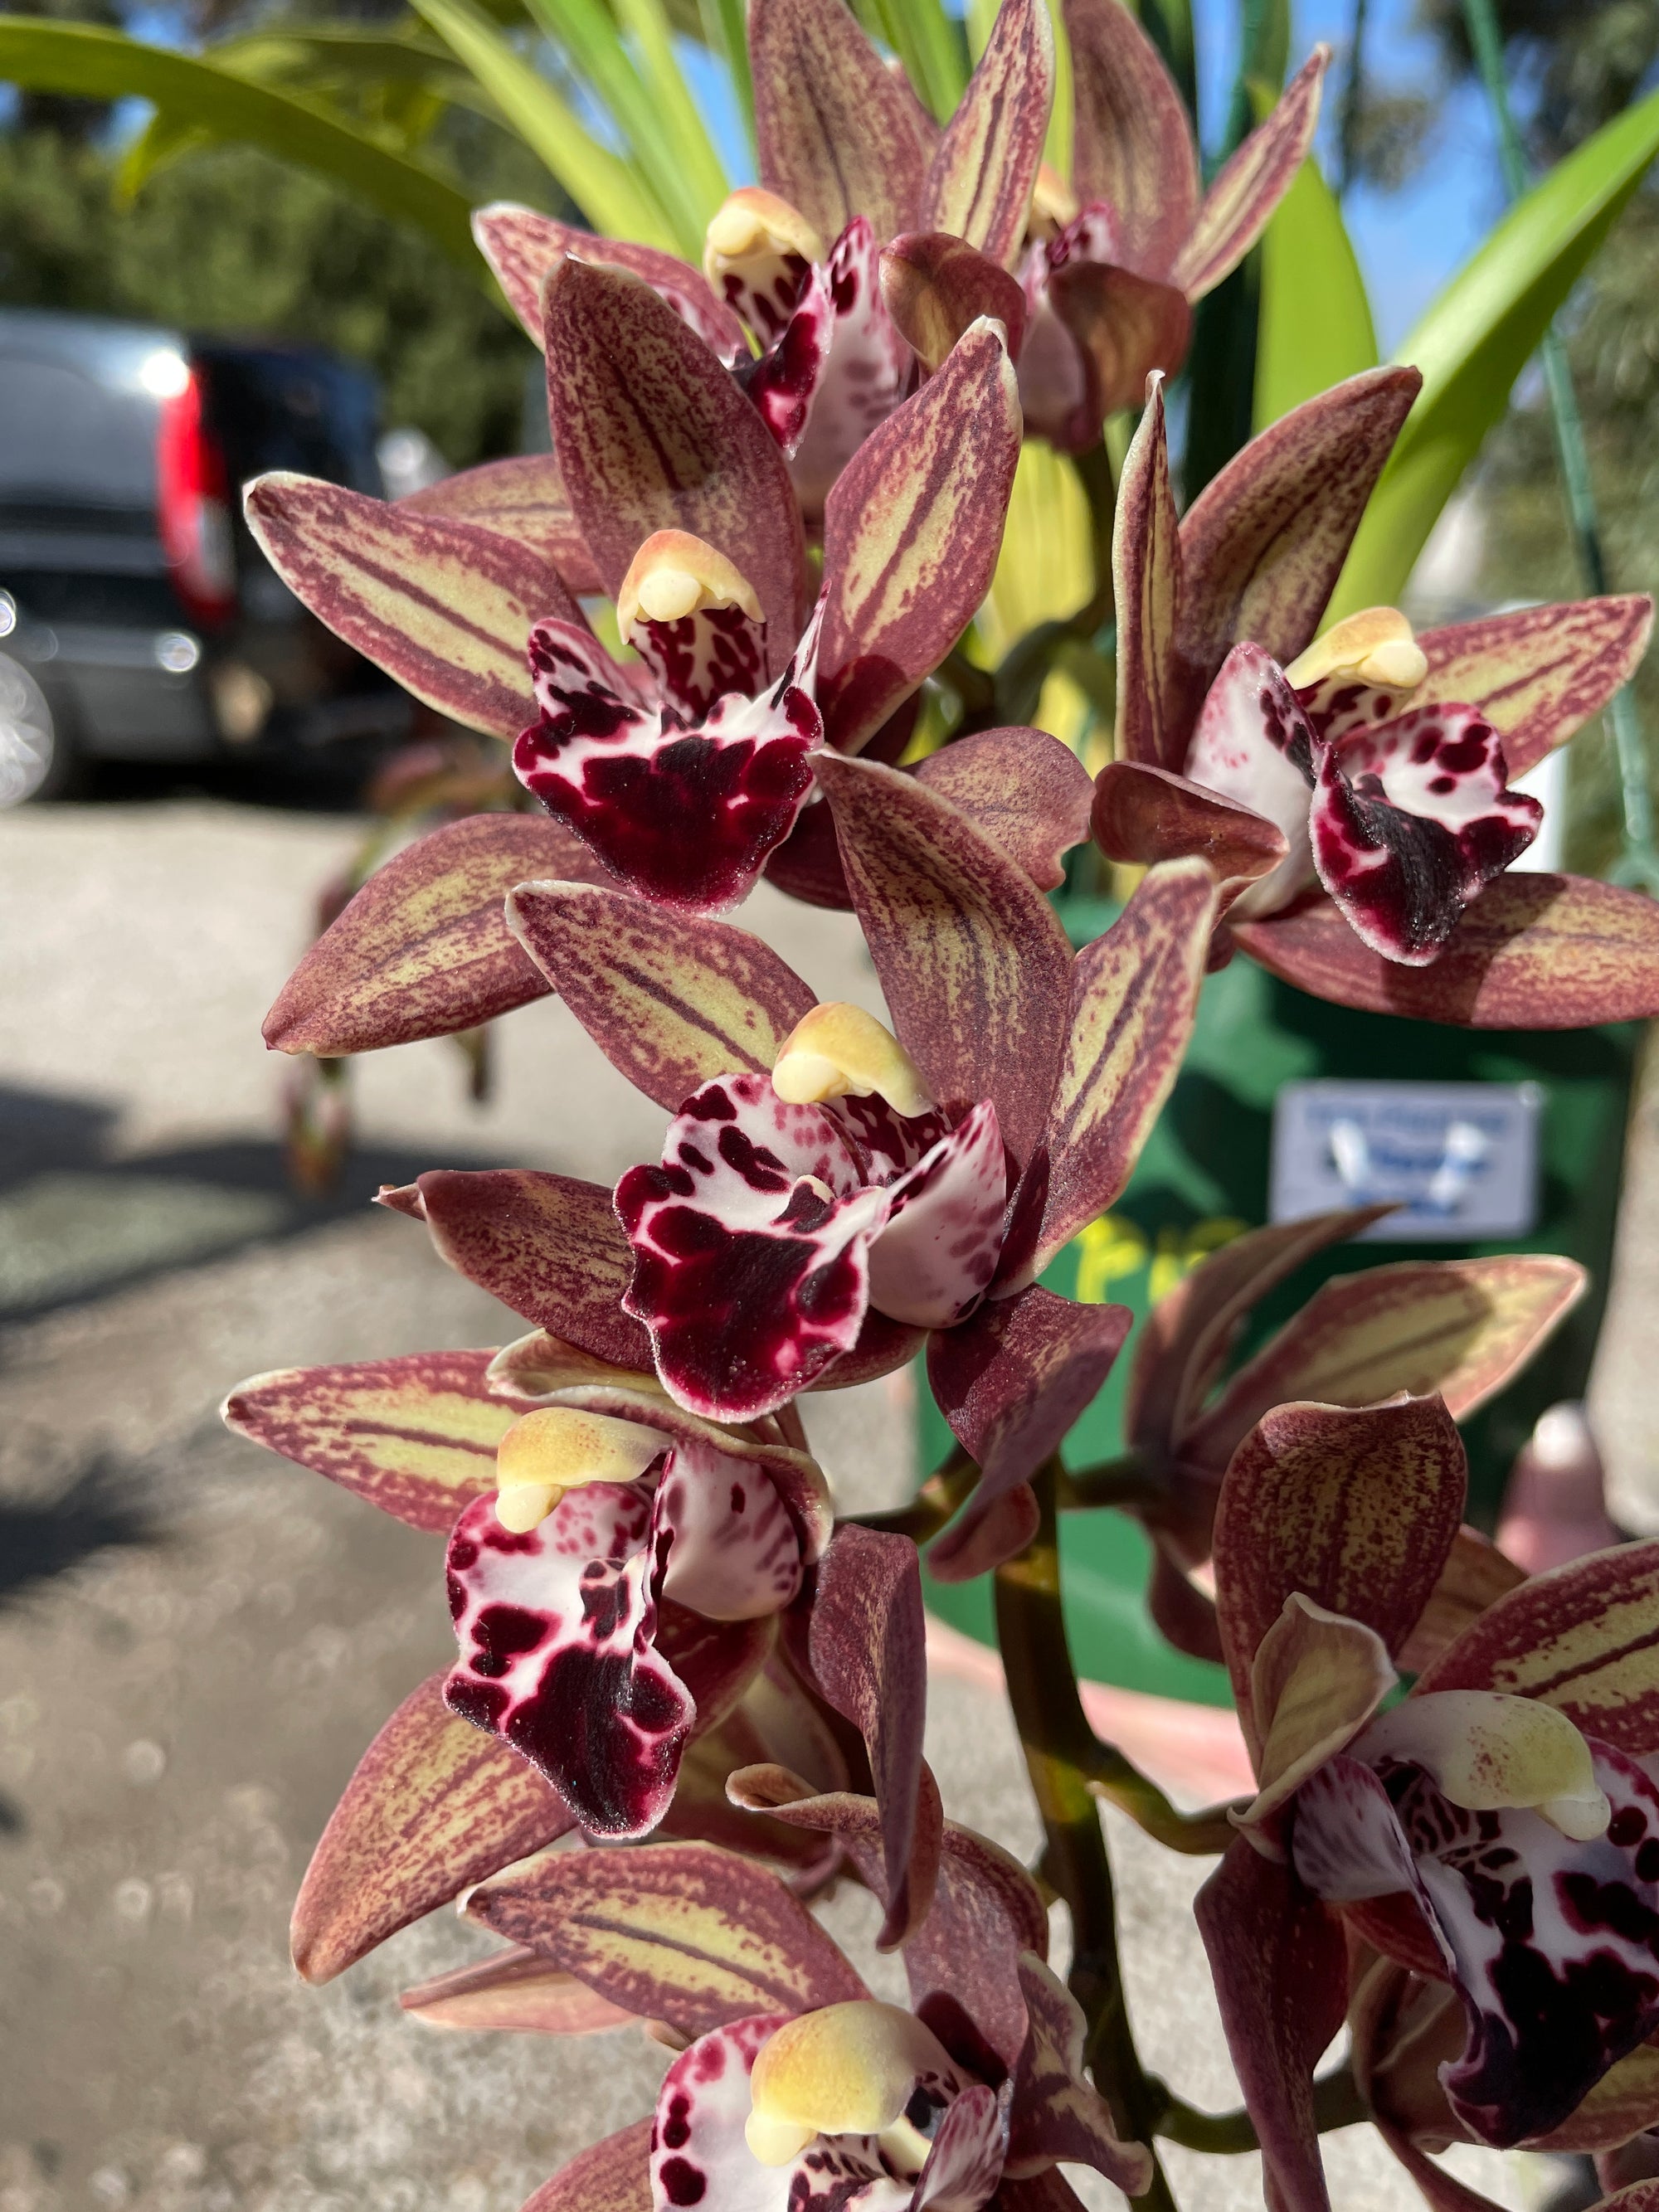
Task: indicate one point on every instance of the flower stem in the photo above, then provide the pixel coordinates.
(1059, 1746)
(933, 1505)
(1337, 2103)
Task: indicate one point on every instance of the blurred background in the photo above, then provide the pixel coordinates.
(196, 1641)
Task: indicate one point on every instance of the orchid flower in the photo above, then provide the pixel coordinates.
(871, 243)
(625, 1581)
(1123, 254)
(1367, 764)
(797, 2086)
(1496, 1830)
(832, 1194)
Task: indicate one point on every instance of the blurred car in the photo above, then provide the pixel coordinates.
(139, 618)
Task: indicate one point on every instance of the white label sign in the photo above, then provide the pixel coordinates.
(1460, 1159)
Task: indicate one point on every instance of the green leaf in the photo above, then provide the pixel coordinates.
(99, 64)
(702, 179)
(610, 192)
(725, 32)
(932, 47)
(1477, 337)
(1316, 326)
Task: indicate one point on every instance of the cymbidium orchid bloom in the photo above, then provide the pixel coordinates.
(1122, 254)
(798, 2089)
(871, 243)
(1367, 764)
(1497, 1830)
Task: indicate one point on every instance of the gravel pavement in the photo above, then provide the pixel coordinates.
(196, 1639)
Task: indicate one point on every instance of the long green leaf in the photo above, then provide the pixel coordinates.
(931, 47)
(612, 197)
(703, 182)
(1314, 327)
(725, 32)
(1478, 335)
(99, 64)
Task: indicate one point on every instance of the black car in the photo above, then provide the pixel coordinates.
(139, 618)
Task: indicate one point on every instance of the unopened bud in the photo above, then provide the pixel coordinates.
(839, 1051)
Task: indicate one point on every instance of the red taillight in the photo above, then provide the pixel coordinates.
(193, 503)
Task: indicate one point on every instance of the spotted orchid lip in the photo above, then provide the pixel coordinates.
(771, 1228)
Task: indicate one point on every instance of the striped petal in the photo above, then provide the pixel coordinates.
(1056, 2112)
(1540, 673)
(684, 1933)
(1132, 141)
(836, 371)
(611, 2176)
(671, 1003)
(1239, 202)
(523, 247)
(423, 950)
(1153, 710)
(512, 1991)
(750, 1248)
(416, 1436)
(433, 1807)
(522, 498)
(444, 607)
(653, 434)
(979, 182)
(682, 813)
(838, 135)
(1534, 952)
(1410, 821)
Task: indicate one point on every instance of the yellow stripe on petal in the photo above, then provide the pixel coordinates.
(839, 1051)
(1490, 1752)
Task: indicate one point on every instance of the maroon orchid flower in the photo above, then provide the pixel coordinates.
(1134, 242)
(830, 1193)
(1368, 764)
(872, 243)
(1496, 1831)
(798, 2088)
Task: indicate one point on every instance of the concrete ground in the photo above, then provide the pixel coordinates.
(197, 1640)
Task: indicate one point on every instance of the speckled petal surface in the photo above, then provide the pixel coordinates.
(935, 1258)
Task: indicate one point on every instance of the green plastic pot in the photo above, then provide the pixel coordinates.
(1203, 1177)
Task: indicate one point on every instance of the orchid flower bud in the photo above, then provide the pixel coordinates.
(675, 574)
(849, 2070)
(1373, 647)
(1491, 1752)
(839, 1051)
(559, 1448)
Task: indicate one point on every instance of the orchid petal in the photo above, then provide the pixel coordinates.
(1152, 709)
(523, 247)
(1023, 788)
(759, 251)
(750, 1248)
(973, 962)
(1264, 543)
(653, 434)
(423, 950)
(522, 498)
(735, 1554)
(1316, 1681)
(516, 1991)
(1131, 139)
(936, 287)
(911, 534)
(546, 1245)
(611, 2176)
(857, 1637)
(1056, 380)
(1539, 674)
(1252, 744)
(444, 607)
(702, 2152)
(1475, 1576)
(1461, 1327)
(1251, 184)
(979, 181)
(1124, 325)
(1410, 822)
(837, 134)
(1486, 1751)
(1354, 1509)
(1534, 952)
(1011, 1382)
(1583, 1637)
(1134, 998)
(681, 1932)
(671, 1003)
(1278, 1962)
(433, 1807)
(964, 2164)
(416, 1436)
(1055, 2112)
(1143, 815)
(933, 1259)
(683, 815)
